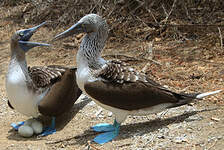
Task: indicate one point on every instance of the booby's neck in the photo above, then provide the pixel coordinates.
(18, 60)
(89, 54)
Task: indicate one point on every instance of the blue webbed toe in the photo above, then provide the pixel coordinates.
(111, 131)
(103, 127)
(17, 125)
(105, 137)
(48, 131)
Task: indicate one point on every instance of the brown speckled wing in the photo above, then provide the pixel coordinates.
(117, 72)
(123, 87)
(45, 75)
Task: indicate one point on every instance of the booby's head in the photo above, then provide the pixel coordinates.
(90, 24)
(20, 40)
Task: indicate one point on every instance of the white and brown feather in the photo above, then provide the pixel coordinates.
(119, 72)
(120, 86)
(43, 77)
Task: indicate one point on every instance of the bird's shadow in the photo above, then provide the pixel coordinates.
(61, 122)
(127, 131)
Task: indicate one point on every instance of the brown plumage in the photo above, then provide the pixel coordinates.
(63, 90)
(123, 87)
(62, 94)
(113, 85)
(47, 88)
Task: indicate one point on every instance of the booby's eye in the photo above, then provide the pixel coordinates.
(83, 26)
(21, 34)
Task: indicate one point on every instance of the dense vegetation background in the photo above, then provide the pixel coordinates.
(134, 19)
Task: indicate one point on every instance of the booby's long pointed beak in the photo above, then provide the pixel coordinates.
(27, 34)
(75, 29)
(30, 45)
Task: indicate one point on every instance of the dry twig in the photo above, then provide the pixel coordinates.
(168, 14)
(92, 146)
(150, 55)
(220, 35)
(148, 11)
(187, 12)
(212, 145)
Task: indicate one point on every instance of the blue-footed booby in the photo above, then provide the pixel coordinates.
(115, 86)
(39, 90)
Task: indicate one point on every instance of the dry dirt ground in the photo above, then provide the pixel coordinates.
(181, 66)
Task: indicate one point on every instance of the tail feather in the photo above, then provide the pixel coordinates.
(187, 98)
(199, 96)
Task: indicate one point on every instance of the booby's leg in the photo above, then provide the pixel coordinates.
(111, 131)
(103, 127)
(17, 125)
(49, 130)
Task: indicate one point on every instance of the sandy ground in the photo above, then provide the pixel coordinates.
(196, 126)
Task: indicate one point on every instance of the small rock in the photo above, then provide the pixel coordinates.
(110, 114)
(179, 140)
(211, 123)
(91, 103)
(83, 97)
(215, 119)
(193, 118)
(210, 139)
(165, 86)
(100, 116)
(161, 136)
(98, 112)
(191, 104)
(25, 131)
(219, 137)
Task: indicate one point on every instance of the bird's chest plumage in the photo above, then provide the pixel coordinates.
(82, 76)
(20, 96)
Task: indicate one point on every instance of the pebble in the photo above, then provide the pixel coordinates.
(98, 112)
(91, 103)
(211, 123)
(194, 118)
(110, 114)
(219, 137)
(210, 139)
(161, 136)
(179, 140)
(215, 119)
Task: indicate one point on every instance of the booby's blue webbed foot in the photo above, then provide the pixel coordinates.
(106, 137)
(17, 125)
(49, 130)
(111, 131)
(103, 127)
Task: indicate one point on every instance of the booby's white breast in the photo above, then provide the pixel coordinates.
(21, 98)
(121, 114)
(82, 76)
